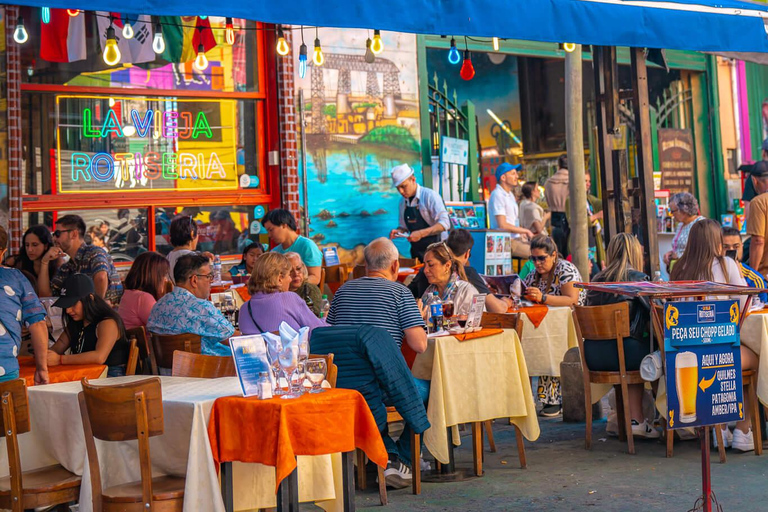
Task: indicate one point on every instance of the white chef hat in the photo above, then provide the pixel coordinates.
(401, 173)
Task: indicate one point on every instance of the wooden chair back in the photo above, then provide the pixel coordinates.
(188, 364)
(334, 276)
(358, 271)
(148, 365)
(15, 421)
(409, 262)
(332, 369)
(120, 413)
(504, 321)
(133, 357)
(164, 346)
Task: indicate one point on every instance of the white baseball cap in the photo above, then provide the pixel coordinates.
(401, 173)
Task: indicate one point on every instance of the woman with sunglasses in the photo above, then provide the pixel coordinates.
(446, 276)
(145, 283)
(93, 331)
(36, 242)
(551, 283)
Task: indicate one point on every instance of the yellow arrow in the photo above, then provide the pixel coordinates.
(704, 384)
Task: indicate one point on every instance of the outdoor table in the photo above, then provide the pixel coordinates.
(472, 381)
(754, 335)
(404, 272)
(337, 420)
(62, 372)
(545, 345)
(183, 450)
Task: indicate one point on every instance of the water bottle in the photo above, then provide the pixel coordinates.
(216, 269)
(657, 277)
(325, 306)
(436, 312)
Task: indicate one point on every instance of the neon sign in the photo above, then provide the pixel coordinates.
(168, 145)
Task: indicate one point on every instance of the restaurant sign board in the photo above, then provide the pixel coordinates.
(676, 159)
(703, 360)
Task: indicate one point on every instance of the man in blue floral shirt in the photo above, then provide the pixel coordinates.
(83, 259)
(20, 307)
(187, 310)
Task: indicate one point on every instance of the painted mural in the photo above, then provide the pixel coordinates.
(361, 119)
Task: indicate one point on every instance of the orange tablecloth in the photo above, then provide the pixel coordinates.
(61, 373)
(338, 420)
(405, 272)
(535, 313)
(482, 333)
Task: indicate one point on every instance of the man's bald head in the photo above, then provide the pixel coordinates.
(380, 254)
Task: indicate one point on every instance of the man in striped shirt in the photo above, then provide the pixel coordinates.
(379, 300)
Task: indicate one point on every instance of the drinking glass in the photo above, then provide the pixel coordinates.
(273, 356)
(462, 314)
(289, 361)
(448, 313)
(229, 309)
(316, 371)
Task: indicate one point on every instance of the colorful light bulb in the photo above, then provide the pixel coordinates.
(369, 55)
(467, 69)
(158, 43)
(303, 60)
(73, 12)
(46, 15)
(20, 34)
(229, 32)
(495, 44)
(112, 53)
(201, 61)
(317, 55)
(454, 57)
(202, 17)
(282, 46)
(128, 32)
(569, 47)
(378, 45)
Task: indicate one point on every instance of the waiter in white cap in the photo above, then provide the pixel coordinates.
(422, 213)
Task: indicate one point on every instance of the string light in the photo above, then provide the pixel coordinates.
(201, 62)
(128, 32)
(111, 51)
(158, 43)
(202, 17)
(302, 56)
(378, 46)
(73, 12)
(454, 57)
(20, 34)
(46, 15)
(495, 44)
(467, 69)
(317, 55)
(369, 55)
(569, 47)
(282, 46)
(230, 32)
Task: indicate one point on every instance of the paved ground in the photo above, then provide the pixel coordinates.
(562, 476)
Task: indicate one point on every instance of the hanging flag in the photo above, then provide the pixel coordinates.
(182, 37)
(63, 39)
(136, 50)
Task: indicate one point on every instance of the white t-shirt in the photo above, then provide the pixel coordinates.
(175, 255)
(503, 203)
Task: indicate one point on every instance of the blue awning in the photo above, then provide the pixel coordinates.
(726, 25)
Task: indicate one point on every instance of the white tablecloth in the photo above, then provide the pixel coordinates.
(545, 346)
(184, 449)
(754, 335)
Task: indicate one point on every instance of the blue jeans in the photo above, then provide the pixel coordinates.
(402, 448)
(116, 371)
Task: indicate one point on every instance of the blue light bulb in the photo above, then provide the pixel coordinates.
(46, 15)
(454, 57)
(303, 60)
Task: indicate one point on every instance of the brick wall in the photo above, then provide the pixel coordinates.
(288, 125)
(13, 75)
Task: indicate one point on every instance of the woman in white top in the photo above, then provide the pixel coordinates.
(446, 276)
(704, 260)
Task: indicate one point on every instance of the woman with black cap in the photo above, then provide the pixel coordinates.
(93, 331)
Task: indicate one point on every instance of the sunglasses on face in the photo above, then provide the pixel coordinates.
(59, 232)
(538, 259)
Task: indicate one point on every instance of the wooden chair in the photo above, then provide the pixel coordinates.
(126, 412)
(146, 354)
(188, 364)
(358, 271)
(333, 276)
(133, 357)
(409, 262)
(43, 487)
(610, 322)
(332, 369)
(164, 346)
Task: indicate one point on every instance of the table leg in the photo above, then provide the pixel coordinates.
(450, 468)
(288, 493)
(226, 486)
(347, 468)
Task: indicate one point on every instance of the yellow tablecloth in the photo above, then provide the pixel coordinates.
(754, 335)
(475, 380)
(545, 346)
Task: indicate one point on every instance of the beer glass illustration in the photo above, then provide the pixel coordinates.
(687, 377)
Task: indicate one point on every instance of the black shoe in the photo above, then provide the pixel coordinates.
(397, 475)
(550, 411)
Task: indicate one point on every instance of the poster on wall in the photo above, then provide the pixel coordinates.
(676, 159)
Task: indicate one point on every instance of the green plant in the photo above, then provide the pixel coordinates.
(394, 136)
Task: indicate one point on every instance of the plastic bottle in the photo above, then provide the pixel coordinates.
(436, 312)
(216, 269)
(325, 306)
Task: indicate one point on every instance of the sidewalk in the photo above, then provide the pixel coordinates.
(563, 476)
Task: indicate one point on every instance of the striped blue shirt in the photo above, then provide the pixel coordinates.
(754, 279)
(378, 302)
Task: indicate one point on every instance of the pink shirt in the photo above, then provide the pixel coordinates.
(135, 307)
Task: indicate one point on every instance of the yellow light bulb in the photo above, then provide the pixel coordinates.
(569, 47)
(201, 61)
(317, 56)
(230, 32)
(282, 46)
(112, 53)
(495, 44)
(377, 46)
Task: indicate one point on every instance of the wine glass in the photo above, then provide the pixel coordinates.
(316, 370)
(448, 312)
(289, 361)
(462, 313)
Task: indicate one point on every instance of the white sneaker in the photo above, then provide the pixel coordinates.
(727, 437)
(398, 475)
(425, 465)
(644, 430)
(743, 442)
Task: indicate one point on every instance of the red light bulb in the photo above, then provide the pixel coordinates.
(467, 69)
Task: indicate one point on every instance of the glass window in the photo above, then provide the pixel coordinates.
(121, 232)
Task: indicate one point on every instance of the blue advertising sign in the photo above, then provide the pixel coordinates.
(701, 343)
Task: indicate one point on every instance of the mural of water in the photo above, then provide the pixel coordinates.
(351, 199)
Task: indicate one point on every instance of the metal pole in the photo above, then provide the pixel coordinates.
(574, 136)
(303, 156)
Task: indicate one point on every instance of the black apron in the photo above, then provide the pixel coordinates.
(414, 222)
